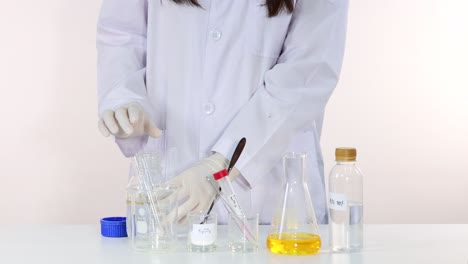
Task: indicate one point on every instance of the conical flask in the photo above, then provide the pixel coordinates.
(294, 229)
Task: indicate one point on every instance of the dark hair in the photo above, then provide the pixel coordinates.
(274, 6)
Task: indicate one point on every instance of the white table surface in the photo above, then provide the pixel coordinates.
(84, 244)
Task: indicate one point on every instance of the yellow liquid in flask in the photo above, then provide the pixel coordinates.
(294, 243)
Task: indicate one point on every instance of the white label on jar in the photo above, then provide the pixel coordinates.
(235, 205)
(203, 235)
(141, 227)
(338, 201)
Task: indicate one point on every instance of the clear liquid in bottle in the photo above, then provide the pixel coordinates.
(346, 203)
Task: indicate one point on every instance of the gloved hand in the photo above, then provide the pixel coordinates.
(196, 190)
(128, 121)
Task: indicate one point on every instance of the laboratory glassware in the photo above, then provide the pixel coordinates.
(345, 195)
(203, 231)
(238, 240)
(152, 227)
(228, 191)
(294, 229)
(144, 166)
(235, 156)
(152, 208)
(237, 219)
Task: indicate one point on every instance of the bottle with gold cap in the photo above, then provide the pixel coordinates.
(345, 202)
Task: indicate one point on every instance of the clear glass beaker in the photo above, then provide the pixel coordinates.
(203, 231)
(237, 237)
(294, 229)
(152, 228)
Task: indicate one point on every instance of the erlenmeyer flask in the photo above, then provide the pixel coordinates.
(294, 229)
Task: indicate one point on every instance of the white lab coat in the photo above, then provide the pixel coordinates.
(214, 75)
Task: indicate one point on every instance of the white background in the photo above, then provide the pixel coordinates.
(402, 101)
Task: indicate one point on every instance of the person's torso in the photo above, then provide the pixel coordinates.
(203, 65)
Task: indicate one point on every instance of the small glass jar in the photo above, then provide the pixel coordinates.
(237, 236)
(203, 231)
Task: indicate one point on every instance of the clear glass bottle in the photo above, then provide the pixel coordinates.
(294, 229)
(345, 193)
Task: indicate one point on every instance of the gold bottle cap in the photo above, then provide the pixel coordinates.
(345, 154)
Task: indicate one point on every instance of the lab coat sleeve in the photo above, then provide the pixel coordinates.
(295, 90)
(121, 46)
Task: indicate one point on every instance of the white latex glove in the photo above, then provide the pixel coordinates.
(128, 121)
(196, 191)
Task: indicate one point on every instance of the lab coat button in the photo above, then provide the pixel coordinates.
(215, 34)
(209, 108)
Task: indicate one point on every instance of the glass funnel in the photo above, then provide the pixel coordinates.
(294, 229)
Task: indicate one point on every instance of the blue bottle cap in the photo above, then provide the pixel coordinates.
(114, 227)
